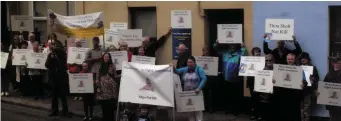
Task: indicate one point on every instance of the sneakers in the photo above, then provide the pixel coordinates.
(76, 98)
(2, 93)
(80, 98)
(85, 119)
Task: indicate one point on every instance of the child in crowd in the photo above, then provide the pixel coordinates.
(89, 98)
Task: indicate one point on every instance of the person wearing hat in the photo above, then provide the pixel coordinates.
(334, 76)
(306, 105)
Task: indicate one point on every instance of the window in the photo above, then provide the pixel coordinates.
(144, 18)
(335, 31)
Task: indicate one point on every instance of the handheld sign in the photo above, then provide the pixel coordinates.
(279, 29)
(189, 101)
(263, 81)
(20, 56)
(118, 57)
(288, 76)
(36, 60)
(209, 64)
(330, 94)
(230, 33)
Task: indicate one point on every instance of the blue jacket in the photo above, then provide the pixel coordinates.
(200, 71)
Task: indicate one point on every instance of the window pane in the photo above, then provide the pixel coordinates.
(40, 9)
(40, 26)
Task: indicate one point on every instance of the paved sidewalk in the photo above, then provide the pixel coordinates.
(76, 108)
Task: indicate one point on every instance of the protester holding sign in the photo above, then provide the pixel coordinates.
(209, 89)
(36, 75)
(89, 98)
(281, 51)
(124, 47)
(233, 85)
(334, 76)
(24, 80)
(14, 70)
(106, 87)
(75, 68)
(194, 79)
(94, 56)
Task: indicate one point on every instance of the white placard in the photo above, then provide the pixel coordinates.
(81, 83)
(118, 26)
(76, 55)
(329, 94)
(189, 101)
(250, 64)
(118, 57)
(230, 33)
(84, 43)
(143, 59)
(36, 60)
(133, 37)
(22, 23)
(279, 29)
(147, 84)
(177, 83)
(263, 81)
(181, 19)
(288, 76)
(4, 58)
(20, 56)
(209, 64)
(308, 70)
(111, 38)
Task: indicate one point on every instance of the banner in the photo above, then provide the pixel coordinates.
(143, 59)
(4, 58)
(181, 36)
(85, 43)
(87, 25)
(209, 64)
(118, 57)
(250, 64)
(20, 56)
(189, 101)
(36, 60)
(147, 84)
(263, 81)
(308, 71)
(329, 94)
(111, 38)
(181, 19)
(288, 76)
(279, 29)
(133, 37)
(81, 83)
(22, 23)
(230, 33)
(118, 26)
(76, 55)
(177, 83)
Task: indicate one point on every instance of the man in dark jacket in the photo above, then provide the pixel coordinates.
(280, 53)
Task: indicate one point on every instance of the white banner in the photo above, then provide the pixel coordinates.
(308, 70)
(87, 25)
(263, 81)
(85, 43)
(189, 101)
(230, 33)
(118, 57)
(279, 29)
(76, 55)
(133, 37)
(22, 23)
(4, 58)
(143, 59)
(288, 76)
(209, 64)
(118, 26)
(250, 64)
(177, 83)
(111, 38)
(329, 94)
(147, 84)
(81, 83)
(20, 56)
(36, 60)
(181, 19)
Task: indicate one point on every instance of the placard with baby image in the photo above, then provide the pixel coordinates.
(329, 94)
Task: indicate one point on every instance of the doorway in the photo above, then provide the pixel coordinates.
(334, 31)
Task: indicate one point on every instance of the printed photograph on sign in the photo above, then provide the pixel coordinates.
(181, 19)
(148, 86)
(36, 60)
(81, 83)
(209, 64)
(230, 33)
(279, 29)
(263, 81)
(22, 23)
(111, 38)
(189, 101)
(329, 94)
(288, 76)
(250, 64)
(118, 57)
(76, 55)
(20, 56)
(308, 70)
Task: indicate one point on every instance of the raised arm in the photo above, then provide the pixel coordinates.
(266, 48)
(298, 49)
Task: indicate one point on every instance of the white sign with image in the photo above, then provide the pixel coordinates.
(81, 83)
(143, 59)
(20, 56)
(84, 43)
(4, 58)
(329, 94)
(76, 55)
(111, 38)
(133, 37)
(279, 29)
(22, 23)
(36, 60)
(118, 57)
(250, 64)
(308, 70)
(181, 19)
(118, 26)
(209, 64)
(230, 33)
(288, 76)
(263, 81)
(189, 101)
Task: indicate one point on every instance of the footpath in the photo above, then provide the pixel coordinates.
(76, 108)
